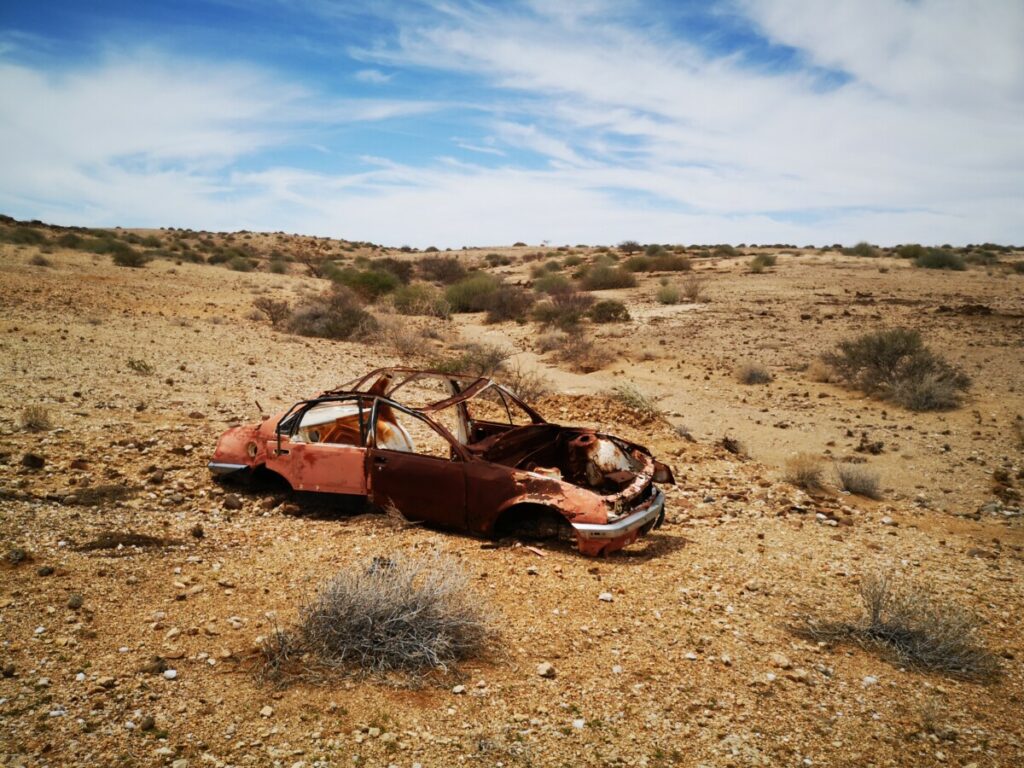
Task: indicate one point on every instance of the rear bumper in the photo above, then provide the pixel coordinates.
(625, 530)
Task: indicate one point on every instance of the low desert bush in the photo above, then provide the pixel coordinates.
(910, 251)
(38, 260)
(139, 366)
(563, 310)
(863, 248)
(333, 314)
(895, 365)
(552, 283)
(473, 293)
(693, 288)
(125, 256)
(635, 400)
(603, 277)
(805, 471)
(36, 418)
(421, 299)
(935, 258)
(753, 373)
(858, 480)
(240, 264)
(277, 311)
(725, 251)
(630, 246)
(21, 235)
(475, 359)
(401, 269)
(668, 294)
(762, 261)
(608, 311)
(277, 267)
(368, 284)
(441, 269)
(530, 385)
(397, 614)
(1018, 267)
(509, 302)
(579, 352)
(659, 261)
(913, 628)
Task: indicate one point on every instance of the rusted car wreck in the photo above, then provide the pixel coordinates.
(460, 452)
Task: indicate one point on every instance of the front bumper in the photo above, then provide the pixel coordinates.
(222, 468)
(626, 529)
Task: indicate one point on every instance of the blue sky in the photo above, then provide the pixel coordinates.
(468, 123)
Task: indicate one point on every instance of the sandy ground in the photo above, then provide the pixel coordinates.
(690, 664)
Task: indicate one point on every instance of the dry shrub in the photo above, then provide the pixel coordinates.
(762, 261)
(509, 302)
(820, 372)
(333, 314)
(913, 627)
(733, 446)
(421, 299)
(476, 359)
(581, 353)
(36, 418)
(400, 337)
(563, 310)
(119, 539)
(38, 260)
(805, 471)
(441, 269)
(753, 373)
(635, 400)
(608, 311)
(668, 294)
(895, 365)
(399, 614)
(277, 311)
(859, 480)
(693, 288)
(530, 385)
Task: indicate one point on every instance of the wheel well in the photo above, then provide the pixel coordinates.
(263, 477)
(525, 516)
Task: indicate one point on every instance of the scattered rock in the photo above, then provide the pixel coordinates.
(75, 601)
(33, 461)
(605, 597)
(17, 555)
(780, 660)
(44, 570)
(267, 711)
(231, 501)
(546, 669)
(197, 531)
(148, 723)
(458, 690)
(170, 674)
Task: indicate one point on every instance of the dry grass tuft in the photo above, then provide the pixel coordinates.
(36, 418)
(409, 615)
(530, 385)
(753, 373)
(693, 289)
(913, 628)
(635, 400)
(805, 471)
(859, 480)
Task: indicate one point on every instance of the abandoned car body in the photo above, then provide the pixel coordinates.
(472, 456)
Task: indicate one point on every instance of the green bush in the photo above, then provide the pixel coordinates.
(552, 283)
(668, 294)
(724, 251)
(21, 235)
(401, 269)
(936, 258)
(895, 365)
(240, 264)
(759, 263)
(369, 284)
(1018, 267)
(630, 246)
(863, 248)
(421, 299)
(662, 261)
(278, 267)
(910, 251)
(123, 255)
(472, 293)
(609, 311)
(602, 277)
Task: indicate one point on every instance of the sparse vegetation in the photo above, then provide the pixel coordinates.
(630, 246)
(38, 260)
(404, 614)
(421, 299)
(668, 294)
(863, 249)
(509, 302)
(635, 400)
(753, 373)
(693, 288)
(334, 314)
(125, 256)
(578, 351)
(563, 310)
(895, 365)
(277, 311)
(859, 480)
(476, 359)
(805, 471)
(141, 367)
(473, 293)
(935, 258)
(658, 261)
(552, 283)
(36, 418)
(368, 284)
(530, 385)
(762, 261)
(608, 311)
(913, 628)
(441, 269)
(603, 277)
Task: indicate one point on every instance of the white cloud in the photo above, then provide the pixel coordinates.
(372, 76)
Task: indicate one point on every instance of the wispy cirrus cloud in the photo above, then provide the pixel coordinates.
(593, 122)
